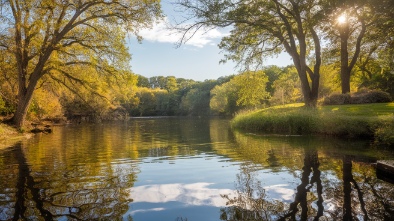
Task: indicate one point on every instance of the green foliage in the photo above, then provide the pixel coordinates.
(45, 105)
(330, 81)
(273, 73)
(252, 87)
(287, 88)
(146, 102)
(171, 84)
(8, 82)
(247, 90)
(195, 101)
(143, 81)
(224, 99)
(5, 108)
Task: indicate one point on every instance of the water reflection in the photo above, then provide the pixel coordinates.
(76, 192)
(194, 194)
(250, 201)
(196, 169)
(343, 188)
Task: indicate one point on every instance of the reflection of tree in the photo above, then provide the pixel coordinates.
(348, 181)
(311, 165)
(8, 179)
(359, 192)
(363, 191)
(250, 202)
(88, 191)
(351, 189)
(26, 183)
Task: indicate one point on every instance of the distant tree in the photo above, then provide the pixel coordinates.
(48, 37)
(224, 99)
(189, 101)
(273, 72)
(330, 80)
(146, 105)
(143, 81)
(184, 85)
(162, 104)
(161, 82)
(246, 90)
(252, 85)
(171, 84)
(287, 88)
(196, 101)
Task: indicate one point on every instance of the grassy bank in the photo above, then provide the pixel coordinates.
(362, 120)
(9, 136)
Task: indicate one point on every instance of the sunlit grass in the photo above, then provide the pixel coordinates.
(9, 135)
(361, 120)
(360, 109)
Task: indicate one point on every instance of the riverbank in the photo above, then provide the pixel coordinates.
(374, 121)
(10, 135)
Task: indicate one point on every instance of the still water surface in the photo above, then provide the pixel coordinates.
(193, 169)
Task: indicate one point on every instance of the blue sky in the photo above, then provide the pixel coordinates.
(197, 59)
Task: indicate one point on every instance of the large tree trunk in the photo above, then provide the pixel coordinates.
(310, 94)
(25, 97)
(315, 89)
(345, 73)
(22, 108)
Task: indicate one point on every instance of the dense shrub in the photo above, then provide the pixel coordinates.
(361, 97)
(337, 99)
(374, 96)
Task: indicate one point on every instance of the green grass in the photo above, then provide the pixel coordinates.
(356, 120)
(380, 109)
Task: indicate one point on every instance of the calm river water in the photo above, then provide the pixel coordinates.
(193, 169)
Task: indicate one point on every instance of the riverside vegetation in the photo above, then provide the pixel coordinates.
(356, 120)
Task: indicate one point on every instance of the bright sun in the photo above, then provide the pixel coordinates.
(342, 19)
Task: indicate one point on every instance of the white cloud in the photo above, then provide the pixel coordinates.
(160, 32)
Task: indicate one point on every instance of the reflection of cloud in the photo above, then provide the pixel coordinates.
(197, 194)
(279, 192)
(161, 33)
(144, 211)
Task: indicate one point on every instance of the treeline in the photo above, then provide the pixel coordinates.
(273, 85)
(127, 94)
